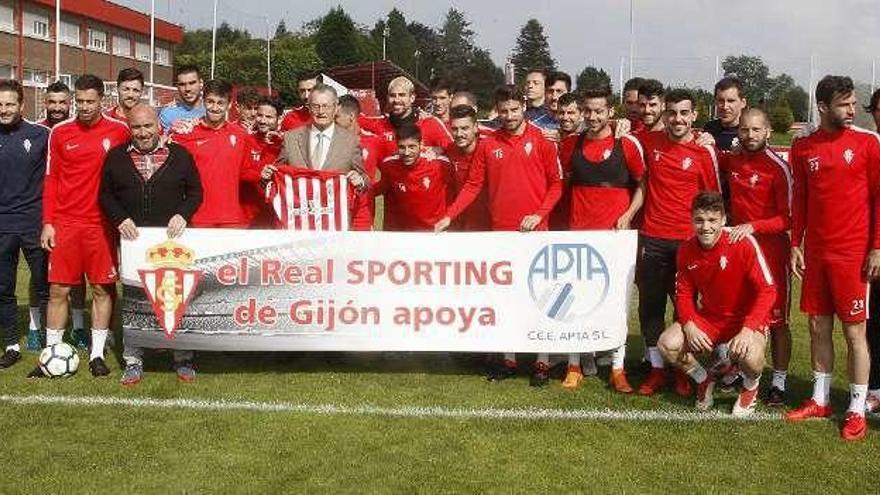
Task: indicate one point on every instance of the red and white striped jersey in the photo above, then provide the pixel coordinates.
(315, 200)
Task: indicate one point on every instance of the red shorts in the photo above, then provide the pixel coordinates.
(79, 250)
(777, 253)
(835, 286)
(718, 330)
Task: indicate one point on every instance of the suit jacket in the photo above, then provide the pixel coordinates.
(344, 153)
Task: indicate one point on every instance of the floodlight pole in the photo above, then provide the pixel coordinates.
(152, 45)
(57, 40)
(632, 35)
(268, 57)
(214, 40)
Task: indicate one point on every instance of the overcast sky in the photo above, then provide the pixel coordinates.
(676, 41)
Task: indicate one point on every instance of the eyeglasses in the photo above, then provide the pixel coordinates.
(323, 106)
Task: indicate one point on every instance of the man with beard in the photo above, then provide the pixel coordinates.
(268, 143)
(631, 107)
(441, 94)
(520, 168)
(651, 106)
(571, 116)
(189, 105)
(129, 89)
(246, 103)
(678, 169)
(605, 174)
(835, 240)
(461, 154)
(401, 97)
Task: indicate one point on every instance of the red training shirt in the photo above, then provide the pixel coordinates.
(434, 133)
(416, 195)
(475, 218)
(760, 190)
(834, 208)
(732, 279)
(599, 208)
(676, 174)
(522, 175)
(224, 156)
(73, 169)
(295, 118)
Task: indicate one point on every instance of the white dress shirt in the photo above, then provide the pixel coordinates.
(327, 136)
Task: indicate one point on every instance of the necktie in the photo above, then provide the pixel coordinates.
(318, 152)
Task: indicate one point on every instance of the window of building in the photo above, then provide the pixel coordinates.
(162, 56)
(142, 51)
(121, 46)
(35, 77)
(97, 40)
(7, 21)
(7, 72)
(70, 33)
(36, 23)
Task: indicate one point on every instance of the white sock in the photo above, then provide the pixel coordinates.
(77, 316)
(13, 347)
(35, 318)
(574, 359)
(821, 387)
(510, 356)
(698, 373)
(655, 357)
(54, 336)
(99, 338)
(543, 358)
(750, 383)
(778, 380)
(857, 396)
(617, 357)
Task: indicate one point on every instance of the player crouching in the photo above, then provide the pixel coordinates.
(736, 292)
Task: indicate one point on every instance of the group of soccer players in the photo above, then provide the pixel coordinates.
(546, 159)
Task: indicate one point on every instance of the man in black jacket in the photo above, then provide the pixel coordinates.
(150, 183)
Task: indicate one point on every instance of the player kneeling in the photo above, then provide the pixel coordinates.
(736, 293)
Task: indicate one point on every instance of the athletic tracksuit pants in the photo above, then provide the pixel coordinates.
(11, 244)
(655, 279)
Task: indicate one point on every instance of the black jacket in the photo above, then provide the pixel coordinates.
(175, 188)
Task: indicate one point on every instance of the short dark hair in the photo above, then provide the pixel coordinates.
(14, 86)
(831, 86)
(567, 99)
(57, 87)
(440, 84)
(469, 96)
(86, 82)
(187, 69)
(463, 112)
(308, 75)
(536, 70)
(602, 91)
(247, 96)
(408, 131)
(677, 95)
(651, 88)
(557, 76)
(508, 92)
(268, 101)
(350, 104)
(730, 82)
(708, 201)
(218, 87)
(130, 74)
(875, 99)
(633, 84)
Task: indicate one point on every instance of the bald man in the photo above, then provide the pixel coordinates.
(170, 201)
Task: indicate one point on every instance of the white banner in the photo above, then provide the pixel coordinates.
(250, 290)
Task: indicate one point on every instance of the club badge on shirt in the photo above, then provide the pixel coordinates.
(528, 148)
(105, 143)
(686, 163)
(233, 140)
(848, 155)
(27, 145)
(722, 262)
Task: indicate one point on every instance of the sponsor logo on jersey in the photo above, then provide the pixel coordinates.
(568, 281)
(71, 146)
(171, 283)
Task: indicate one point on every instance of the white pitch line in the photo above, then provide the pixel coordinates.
(403, 411)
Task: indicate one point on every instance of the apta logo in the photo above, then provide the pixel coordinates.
(171, 283)
(568, 281)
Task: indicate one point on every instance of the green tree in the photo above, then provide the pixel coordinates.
(532, 50)
(401, 45)
(781, 117)
(754, 74)
(592, 77)
(338, 40)
(281, 29)
(428, 46)
(464, 64)
(799, 102)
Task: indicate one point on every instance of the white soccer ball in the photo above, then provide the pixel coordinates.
(59, 360)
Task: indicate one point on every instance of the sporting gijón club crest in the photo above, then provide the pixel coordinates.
(171, 283)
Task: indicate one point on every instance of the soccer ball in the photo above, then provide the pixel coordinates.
(59, 360)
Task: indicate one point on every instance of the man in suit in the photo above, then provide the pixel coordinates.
(322, 145)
